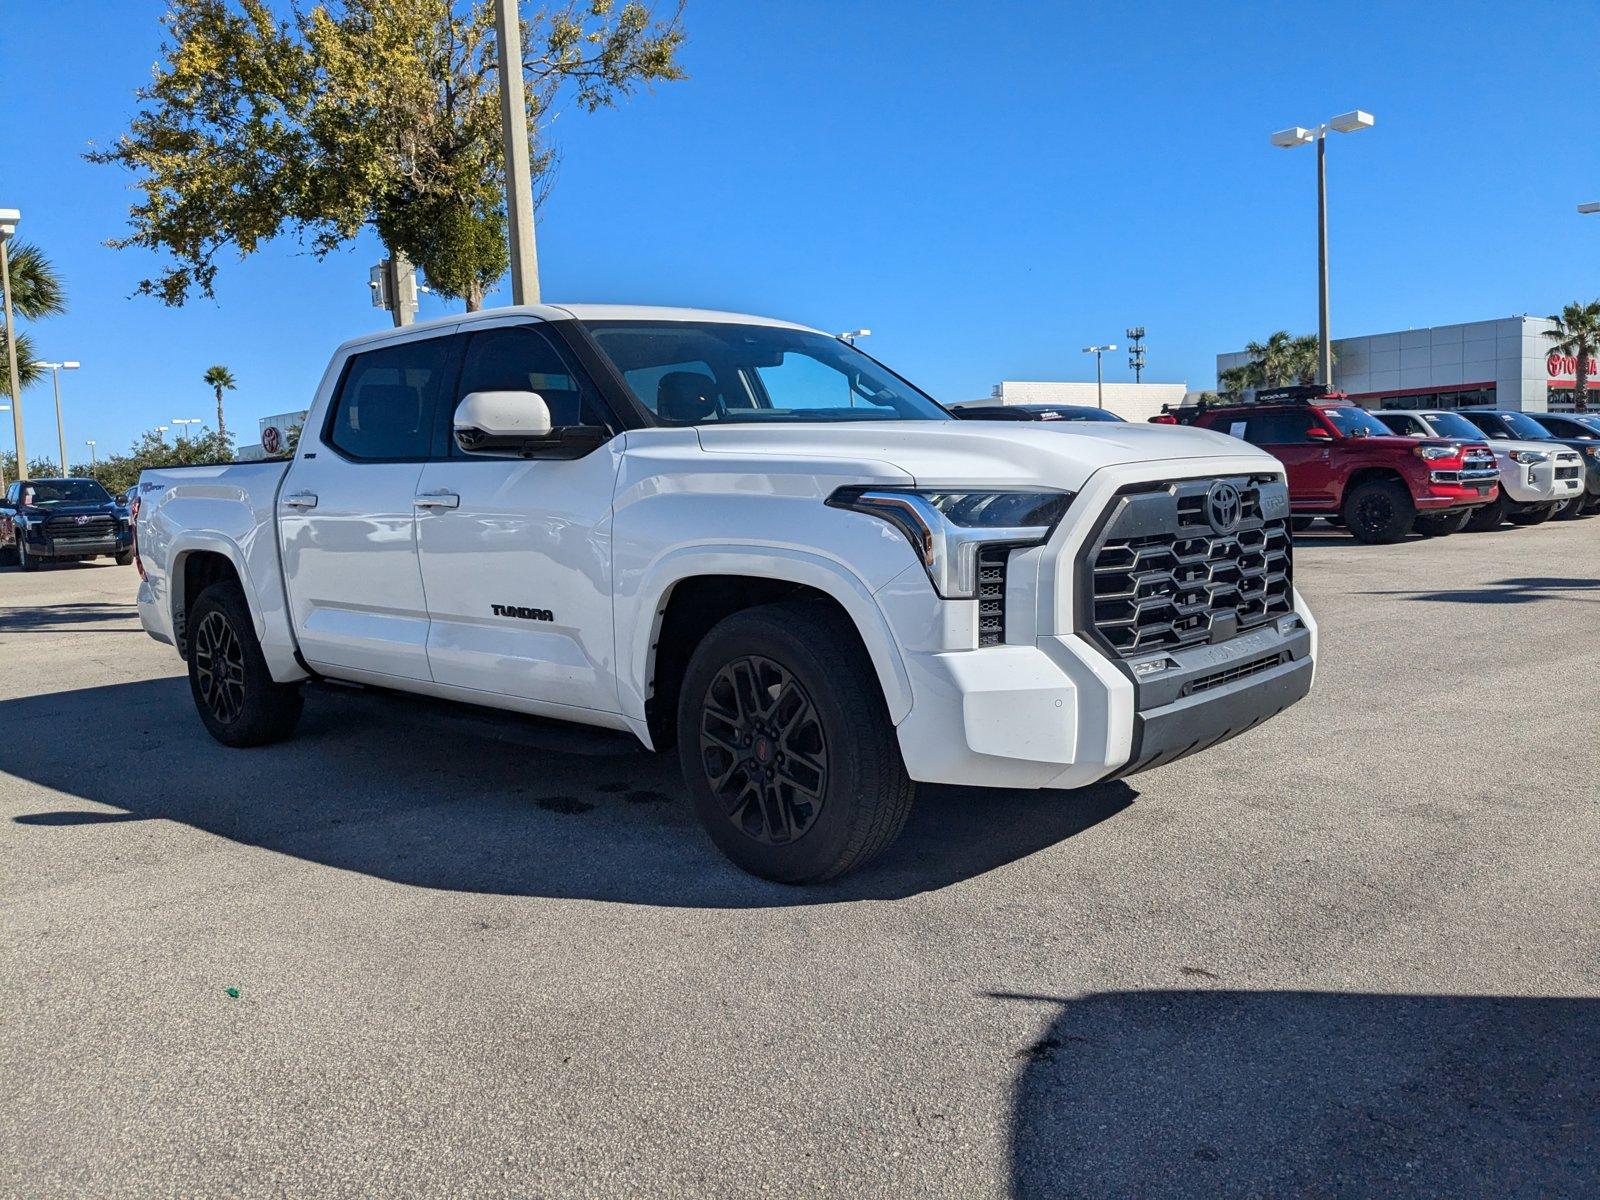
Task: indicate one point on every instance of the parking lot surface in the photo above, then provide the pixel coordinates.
(1352, 952)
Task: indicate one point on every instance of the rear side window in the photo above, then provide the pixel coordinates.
(1407, 425)
(521, 358)
(1282, 428)
(385, 406)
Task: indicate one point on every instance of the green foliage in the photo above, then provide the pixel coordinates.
(29, 370)
(1577, 333)
(352, 113)
(1281, 360)
(220, 380)
(119, 472)
(36, 289)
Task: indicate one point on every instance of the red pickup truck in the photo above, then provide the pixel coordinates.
(1345, 465)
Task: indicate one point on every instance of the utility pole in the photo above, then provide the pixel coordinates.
(61, 430)
(90, 442)
(514, 130)
(393, 283)
(8, 228)
(1136, 351)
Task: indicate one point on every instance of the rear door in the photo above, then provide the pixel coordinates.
(1283, 433)
(516, 554)
(347, 516)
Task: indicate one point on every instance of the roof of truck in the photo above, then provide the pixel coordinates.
(568, 312)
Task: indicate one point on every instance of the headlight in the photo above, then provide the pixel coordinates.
(1528, 457)
(1435, 452)
(947, 529)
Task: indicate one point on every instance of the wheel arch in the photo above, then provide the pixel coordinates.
(1372, 474)
(688, 593)
(195, 567)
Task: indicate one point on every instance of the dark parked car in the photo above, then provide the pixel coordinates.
(59, 519)
(1554, 427)
(1032, 412)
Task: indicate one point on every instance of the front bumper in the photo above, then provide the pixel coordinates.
(1447, 490)
(41, 546)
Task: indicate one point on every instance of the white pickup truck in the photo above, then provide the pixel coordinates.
(746, 538)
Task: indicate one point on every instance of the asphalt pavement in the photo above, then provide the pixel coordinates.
(1351, 953)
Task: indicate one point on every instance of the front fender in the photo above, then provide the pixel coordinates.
(639, 616)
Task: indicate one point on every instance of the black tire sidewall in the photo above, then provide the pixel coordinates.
(270, 709)
(854, 721)
(1402, 512)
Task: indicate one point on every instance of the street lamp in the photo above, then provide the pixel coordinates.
(1287, 139)
(61, 432)
(8, 229)
(161, 434)
(1099, 384)
(90, 442)
(182, 422)
(853, 334)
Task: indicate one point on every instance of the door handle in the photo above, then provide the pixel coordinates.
(301, 500)
(439, 499)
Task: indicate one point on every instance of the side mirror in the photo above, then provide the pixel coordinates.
(518, 423)
(1318, 434)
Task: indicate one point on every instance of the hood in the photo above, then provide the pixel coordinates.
(1507, 445)
(935, 453)
(82, 507)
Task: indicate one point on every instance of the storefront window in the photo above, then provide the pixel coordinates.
(1448, 398)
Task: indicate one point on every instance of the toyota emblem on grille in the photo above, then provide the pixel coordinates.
(80, 520)
(1224, 506)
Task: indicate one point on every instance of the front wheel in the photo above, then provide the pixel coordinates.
(26, 561)
(1572, 509)
(1379, 512)
(124, 558)
(1488, 516)
(1444, 524)
(786, 744)
(239, 702)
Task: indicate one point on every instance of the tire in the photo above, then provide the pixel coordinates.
(1445, 524)
(25, 560)
(1379, 512)
(234, 693)
(1301, 524)
(1534, 514)
(790, 685)
(8, 555)
(1572, 509)
(1488, 516)
(124, 558)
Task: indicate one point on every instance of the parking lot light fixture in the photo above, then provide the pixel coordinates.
(183, 424)
(8, 229)
(90, 442)
(1099, 385)
(1592, 207)
(61, 432)
(1286, 139)
(853, 334)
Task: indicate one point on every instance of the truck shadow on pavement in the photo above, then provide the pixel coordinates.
(1232, 1093)
(63, 618)
(1527, 590)
(388, 791)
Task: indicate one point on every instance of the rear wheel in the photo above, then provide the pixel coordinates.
(8, 555)
(1534, 514)
(1379, 511)
(238, 701)
(1489, 516)
(786, 744)
(1444, 524)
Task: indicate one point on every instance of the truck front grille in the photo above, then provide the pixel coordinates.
(992, 595)
(68, 528)
(1162, 575)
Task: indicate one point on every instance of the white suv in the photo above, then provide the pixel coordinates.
(1537, 478)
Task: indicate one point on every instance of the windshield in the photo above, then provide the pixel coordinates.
(1525, 426)
(42, 493)
(711, 372)
(1454, 425)
(1357, 422)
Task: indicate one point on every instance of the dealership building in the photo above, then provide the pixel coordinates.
(1506, 363)
(1130, 401)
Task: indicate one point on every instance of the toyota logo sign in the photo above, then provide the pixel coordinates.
(80, 520)
(1224, 506)
(271, 439)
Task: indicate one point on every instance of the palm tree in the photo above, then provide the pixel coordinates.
(221, 380)
(1280, 360)
(29, 372)
(1577, 333)
(36, 289)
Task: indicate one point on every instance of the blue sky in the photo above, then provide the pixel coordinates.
(987, 187)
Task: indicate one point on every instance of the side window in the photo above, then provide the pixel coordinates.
(385, 406)
(1409, 426)
(1282, 428)
(522, 358)
(647, 382)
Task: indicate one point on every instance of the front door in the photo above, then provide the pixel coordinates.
(1284, 433)
(347, 515)
(516, 554)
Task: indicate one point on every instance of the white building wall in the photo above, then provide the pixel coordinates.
(1130, 401)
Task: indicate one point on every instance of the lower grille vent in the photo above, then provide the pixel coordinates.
(992, 595)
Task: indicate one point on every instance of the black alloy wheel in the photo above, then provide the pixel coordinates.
(219, 667)
(763, 749)
(1379, 512)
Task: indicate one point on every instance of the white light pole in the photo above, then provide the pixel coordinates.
(61, 430)
(183, 423)
(853, 334)
(8, 229)
(1099, 384)
(1287, 139)
(90, 442)
(519, 176)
